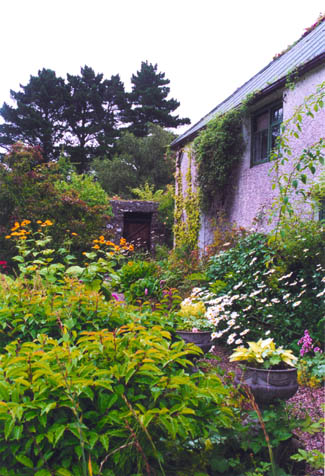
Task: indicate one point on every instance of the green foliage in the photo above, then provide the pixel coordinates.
(86, 188)
(120, 400)
(29, 191)
(32, 307)
(137, 161)
(266, 292)
(217, 149)
(295, 182)
(150, 103)
(311, 370)
(37, 118)
(187, 210)
(138, 280)
(314, 458)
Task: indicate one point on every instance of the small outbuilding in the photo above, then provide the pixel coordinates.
(136, 221)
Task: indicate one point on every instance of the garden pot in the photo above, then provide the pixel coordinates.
(268, 385)
(201, 339)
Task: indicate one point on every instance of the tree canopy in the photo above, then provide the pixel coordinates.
(149, 102)
(86, 113)
(137, 160)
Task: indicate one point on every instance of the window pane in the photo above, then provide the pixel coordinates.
(260, 147)
(277, 115)
(262, 122)
(275, 134)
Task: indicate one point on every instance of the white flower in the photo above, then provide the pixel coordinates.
(238, 285)
(244, 332)
(267, 333)
(234, 314)
(321, 293)
(253, 261)
(231, 338)
(238, 341)
(286, 296)
(275, 300)
(247, 308)
(293, 284)
(295, 304)
(305, 250)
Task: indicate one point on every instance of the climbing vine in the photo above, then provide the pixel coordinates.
(187, 210)
(295, 180)
(217, 148)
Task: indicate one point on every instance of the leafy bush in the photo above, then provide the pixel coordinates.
(253, 291)
(86, 188)
(32, 307)
(28, 191)
(111, 402)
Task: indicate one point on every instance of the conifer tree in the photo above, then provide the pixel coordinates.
(149, 103)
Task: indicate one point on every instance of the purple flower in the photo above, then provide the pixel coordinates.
(317, 349)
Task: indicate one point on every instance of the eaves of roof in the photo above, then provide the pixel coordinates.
(305, 55)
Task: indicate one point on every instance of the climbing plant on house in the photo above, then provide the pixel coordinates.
(218, 147)
(187, 209)
(296, 181)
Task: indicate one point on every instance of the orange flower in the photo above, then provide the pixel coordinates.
(7, 237)
(25, 222)
(96, 247)
(131, 248)
(39, 221)
(122, 241)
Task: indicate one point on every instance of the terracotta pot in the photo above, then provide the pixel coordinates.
(268, 385)
(201, 339)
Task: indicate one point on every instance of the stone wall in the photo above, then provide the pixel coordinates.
(121, 208)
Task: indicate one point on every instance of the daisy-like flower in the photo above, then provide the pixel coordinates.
(295, 304)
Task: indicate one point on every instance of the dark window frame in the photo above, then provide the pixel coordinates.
(265, 133)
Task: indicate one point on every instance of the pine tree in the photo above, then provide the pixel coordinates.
(94, 112)
(38, 118)
(149, 103)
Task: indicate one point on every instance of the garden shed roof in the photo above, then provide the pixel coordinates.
(307, 53)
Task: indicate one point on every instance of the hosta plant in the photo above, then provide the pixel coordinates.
(264, 354)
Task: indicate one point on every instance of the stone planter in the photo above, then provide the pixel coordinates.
(201, 339)
(268, 385)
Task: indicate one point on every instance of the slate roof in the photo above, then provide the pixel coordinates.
(308, 52)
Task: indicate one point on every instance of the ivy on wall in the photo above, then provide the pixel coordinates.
(217, 149)
(187, 209)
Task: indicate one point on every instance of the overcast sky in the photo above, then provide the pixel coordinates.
(207, 48)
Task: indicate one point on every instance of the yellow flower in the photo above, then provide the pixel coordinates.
(39, 221)
(7, 237)
(96, 247)
(122, 241)
(48, 223)
(25, 222)
(74, 234)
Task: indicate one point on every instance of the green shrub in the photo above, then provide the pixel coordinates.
(29, 191)
(113, 402)
(32, 307)
(263, 291)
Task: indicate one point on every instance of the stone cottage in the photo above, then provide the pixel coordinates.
(276, 91)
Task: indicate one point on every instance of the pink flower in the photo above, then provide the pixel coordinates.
(195, 329)
(146, 292)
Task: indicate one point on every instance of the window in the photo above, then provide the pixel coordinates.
(265, 129)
